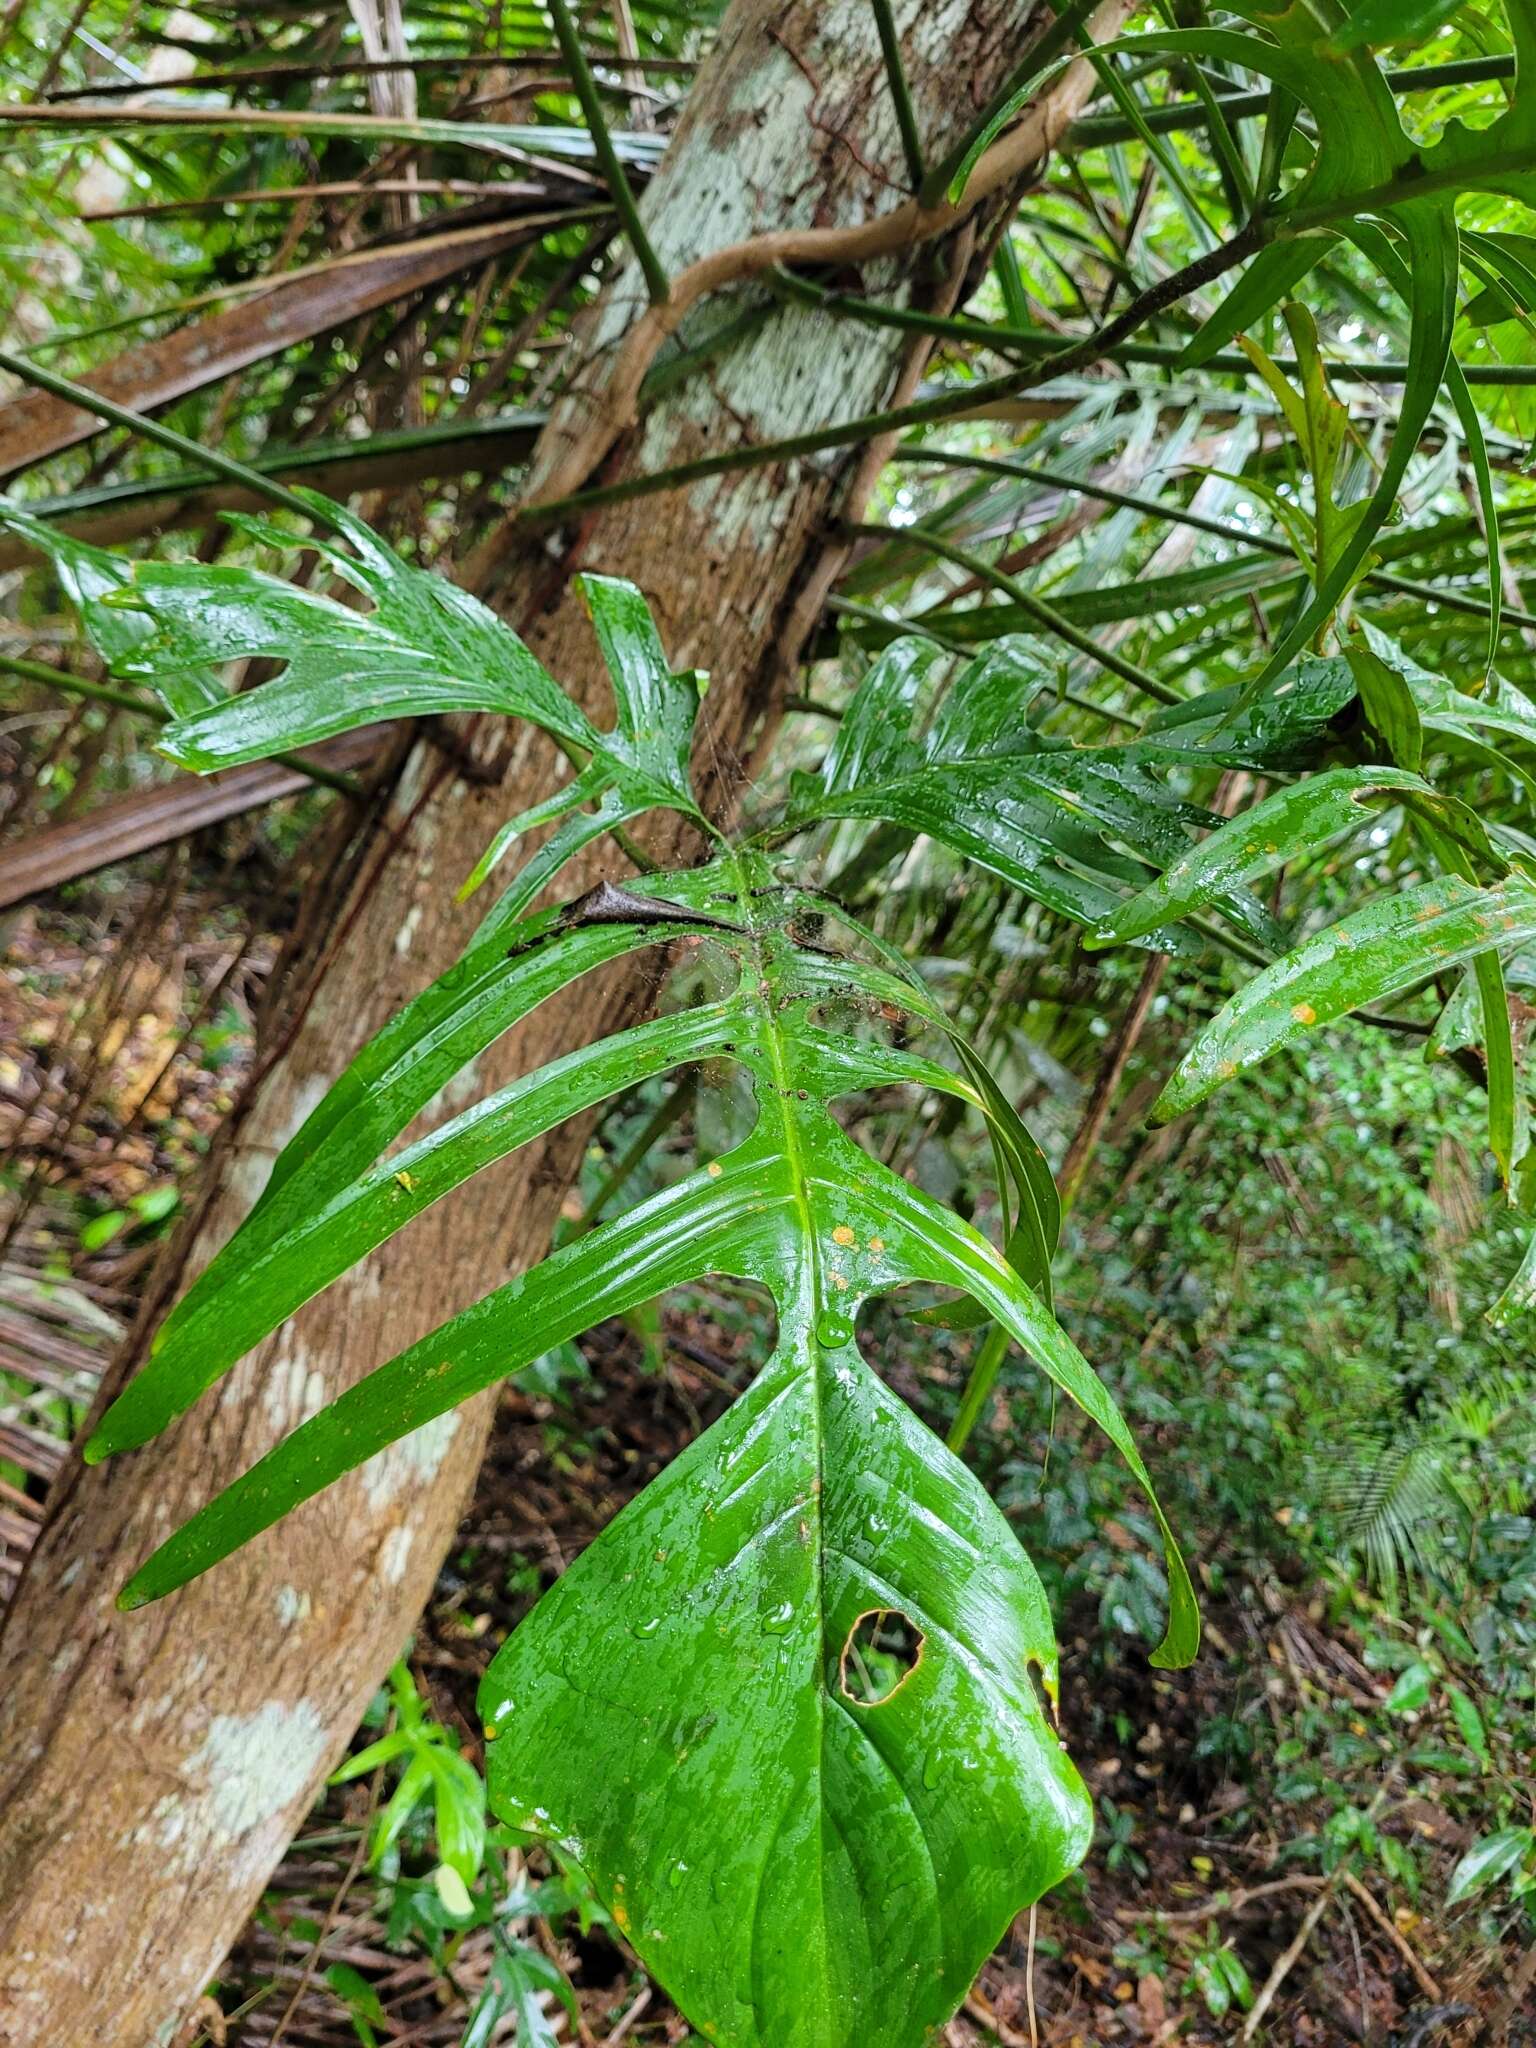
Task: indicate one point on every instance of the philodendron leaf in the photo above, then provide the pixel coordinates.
(806, 1853)
(1388, 946)
(89, 576)
(800, 1859)
(1047, 816)
(425, 646)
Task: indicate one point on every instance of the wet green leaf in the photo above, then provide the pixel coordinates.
(1049, 817)
(1411, 1690)
(88, 576)
(1488, 1860)
(1388, 704)
(883, 1843)
(1387, 946)
(1292, 822)
(1392, 21)
(1518, 1296)
(1469, 1722)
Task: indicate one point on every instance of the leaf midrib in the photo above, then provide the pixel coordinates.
(800, 1183)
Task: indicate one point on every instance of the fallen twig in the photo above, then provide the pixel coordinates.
(1221, 1902)
(628, 2017)
(987, 2016)
(1286, 1961)
(1395, 1935)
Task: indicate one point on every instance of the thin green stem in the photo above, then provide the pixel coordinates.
(984, 1371)
(1499, 375)
(1044, 615)
(1035, 60)
(382, 449)
(667, 1112)
(1009, 339)
(1153, 508)
(78, 686)
(71, 685)
(849, 306)
(1229, 160)
(901, 97)
(167, 437)
(1095, 131)
(607, 156)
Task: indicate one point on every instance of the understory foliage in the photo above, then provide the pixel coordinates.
(793, 1713)
(743, 1575)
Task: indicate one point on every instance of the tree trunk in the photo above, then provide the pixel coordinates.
(153, 1766)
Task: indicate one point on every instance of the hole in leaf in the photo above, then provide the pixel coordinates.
(1045, 1692)
(880, 1655)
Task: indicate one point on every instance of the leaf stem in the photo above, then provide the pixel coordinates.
(71, 685)
(315, 459)
(1153, 508)
(619, 189)
(901, 97)
(78, 686)
(1043, 614)
(984, 1371)
(167, 437)
(1010, 339)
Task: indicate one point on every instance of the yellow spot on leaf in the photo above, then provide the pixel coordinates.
(405, 1181)
(842, 1234)
(877, 1245)
(840, 1283)
(715, 1169)
(1304, 1013)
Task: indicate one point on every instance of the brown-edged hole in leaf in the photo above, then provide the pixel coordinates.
(880, 1655)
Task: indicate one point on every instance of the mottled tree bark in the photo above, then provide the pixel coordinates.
(153, 1766)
